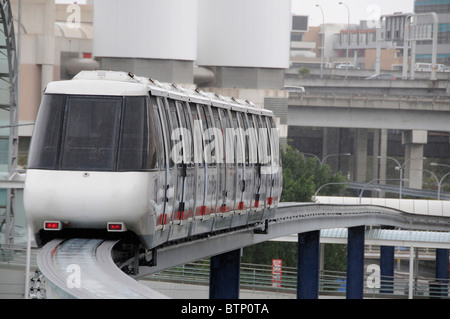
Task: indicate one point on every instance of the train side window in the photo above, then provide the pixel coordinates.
(209, 152)
(275, 142)
(218, 136)
(252, 140)
(269, 141)
(255, 124)
(245, 132)
(166, 118)
(229, 133)
(237, 140)
(160, 162)
(263, 142)
(47, 133)
(185, 124)
(176, 152)
(137, 144)
(160, 131)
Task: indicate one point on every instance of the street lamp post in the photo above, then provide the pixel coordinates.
(401, 167)
(327, 184)
(322, 161)
(442, 179)
(377, 179)
(348, 37)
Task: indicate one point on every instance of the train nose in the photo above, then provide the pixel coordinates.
(101, 200)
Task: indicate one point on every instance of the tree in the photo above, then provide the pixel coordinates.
(303, 176)
(303, 71)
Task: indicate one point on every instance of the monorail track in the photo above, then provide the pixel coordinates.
(84, 269)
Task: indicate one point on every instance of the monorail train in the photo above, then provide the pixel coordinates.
(116, 153)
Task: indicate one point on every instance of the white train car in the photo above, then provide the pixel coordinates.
(113, 153)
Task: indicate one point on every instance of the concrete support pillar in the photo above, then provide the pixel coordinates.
(414, 143)
(355, 262)
(308, 265)
(360, 168)
(375, 152)
(383, 158)
(330, 146)
(335, 146)
(225, 275)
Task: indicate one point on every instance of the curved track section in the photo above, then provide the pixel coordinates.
(84, 269)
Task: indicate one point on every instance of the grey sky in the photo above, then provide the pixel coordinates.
(359, 9)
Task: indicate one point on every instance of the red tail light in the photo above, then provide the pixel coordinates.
(52, 225)
(116, 227)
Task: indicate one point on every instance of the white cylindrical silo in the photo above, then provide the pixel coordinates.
(244, 33)
(154, 38)
(153, 29)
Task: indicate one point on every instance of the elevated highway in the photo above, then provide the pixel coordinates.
(373, 111)
(380, 104)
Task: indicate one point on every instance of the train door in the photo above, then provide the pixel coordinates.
(188, 158)
(170, 186)
(249, 161)
(261, 167)
(158, 178)
(220, 161)
(210, 162)
(255, 207)
(266, 168)
(200, 182)
(177, 153)
(239, 152)
(230, 169)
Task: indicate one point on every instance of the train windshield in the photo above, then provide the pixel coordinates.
(97, 133)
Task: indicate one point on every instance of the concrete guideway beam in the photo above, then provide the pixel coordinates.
(294, 218)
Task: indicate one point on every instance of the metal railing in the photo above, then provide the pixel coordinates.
(17, 256)
(259, 277)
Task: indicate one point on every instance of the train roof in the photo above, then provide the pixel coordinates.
(123, 83)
